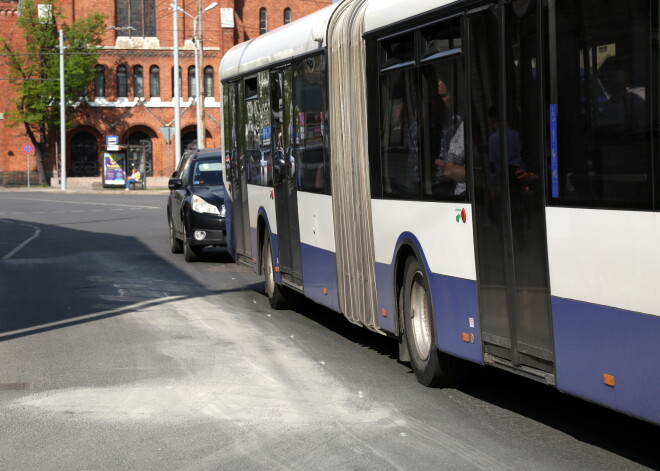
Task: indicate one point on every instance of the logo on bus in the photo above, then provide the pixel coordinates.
(461, 215)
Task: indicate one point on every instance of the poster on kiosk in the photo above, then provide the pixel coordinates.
(114, 169)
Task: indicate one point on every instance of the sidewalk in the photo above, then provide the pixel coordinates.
(92, 185)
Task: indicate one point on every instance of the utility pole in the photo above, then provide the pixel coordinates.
(62, 112)
(199, 76)
(177, 86)
(197, 42)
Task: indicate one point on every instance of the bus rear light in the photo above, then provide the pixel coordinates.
(466, 337)
(384, 312)
(609, 380)
(325, 291)
(276, 269)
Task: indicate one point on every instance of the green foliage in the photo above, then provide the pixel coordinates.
(34, 70)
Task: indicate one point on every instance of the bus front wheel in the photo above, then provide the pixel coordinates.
(431, 367)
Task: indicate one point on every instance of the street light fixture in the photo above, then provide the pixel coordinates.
(198, 67)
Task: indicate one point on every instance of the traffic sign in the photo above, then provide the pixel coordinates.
(28, 148)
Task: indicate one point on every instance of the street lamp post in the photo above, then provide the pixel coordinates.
(197, 43)
(177, 86)
(62, 112)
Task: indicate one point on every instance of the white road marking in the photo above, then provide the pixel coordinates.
(73, 320)
(86, 202)
(37, 231)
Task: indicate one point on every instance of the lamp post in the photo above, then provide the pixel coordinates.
(62, 112)
(197, 42)
(177, 86)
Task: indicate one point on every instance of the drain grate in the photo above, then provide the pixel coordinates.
(15, 386)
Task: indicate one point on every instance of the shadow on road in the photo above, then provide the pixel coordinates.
(65, 276)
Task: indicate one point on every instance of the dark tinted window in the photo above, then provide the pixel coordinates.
(311, 125)
(443, 130)
(122, 82)
(601, 130)
(208, 82)
(398, 51)
(442, 38)
(138, 81)
(99, 82)
(400, 135)
(154, 82)
(258, 131)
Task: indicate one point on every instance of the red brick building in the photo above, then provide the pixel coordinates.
(132, 96)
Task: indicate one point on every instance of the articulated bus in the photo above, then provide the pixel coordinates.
(478, 179)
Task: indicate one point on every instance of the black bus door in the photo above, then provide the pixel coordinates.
(508, 159)
(284, 135)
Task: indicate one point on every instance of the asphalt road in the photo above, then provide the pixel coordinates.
(116, 354)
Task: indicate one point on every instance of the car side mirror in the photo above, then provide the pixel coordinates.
(174, 183)
(174, 174)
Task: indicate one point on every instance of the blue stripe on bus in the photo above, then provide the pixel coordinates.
(454, 303)
(593, 340)
(454, 309)
(320, 271)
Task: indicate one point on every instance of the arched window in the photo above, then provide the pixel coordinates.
(192, 81)
(154, 82)
(122, 82)
(138, 82)
(208, 81)
(99, 82)
(180, 83)
(263, 21)
(287, 16)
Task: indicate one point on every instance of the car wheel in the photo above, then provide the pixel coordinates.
(431, 367)
(275, 293)
(175, 244)
(190, 253)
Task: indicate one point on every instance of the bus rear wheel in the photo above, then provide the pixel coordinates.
(274, 292)
(431, 367)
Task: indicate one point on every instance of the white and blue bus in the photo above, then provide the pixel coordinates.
(367, 169)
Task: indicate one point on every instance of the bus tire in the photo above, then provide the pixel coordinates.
(431, 367)
(274, 292)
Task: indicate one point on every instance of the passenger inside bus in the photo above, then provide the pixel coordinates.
(450, 164)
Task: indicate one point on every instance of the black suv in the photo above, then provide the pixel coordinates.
(195, 207)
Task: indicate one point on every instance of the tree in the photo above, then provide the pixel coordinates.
(33, 69)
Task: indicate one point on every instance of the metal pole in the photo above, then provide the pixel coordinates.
(177, 87)
(62, 112)
(200, 124)
(27, 164)
(201, 134)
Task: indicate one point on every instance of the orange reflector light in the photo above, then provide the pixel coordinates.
(276, 269)
(609, 380)
(384, 312)
(325, 291)
(466, 337)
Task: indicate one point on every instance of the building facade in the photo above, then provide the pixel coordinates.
(132, 94)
